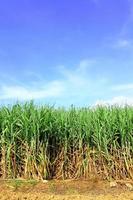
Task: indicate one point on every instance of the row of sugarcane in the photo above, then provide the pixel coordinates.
(44, 142)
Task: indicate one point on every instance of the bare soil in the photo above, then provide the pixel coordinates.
(65, 190)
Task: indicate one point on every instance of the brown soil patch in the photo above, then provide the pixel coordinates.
(64, 190)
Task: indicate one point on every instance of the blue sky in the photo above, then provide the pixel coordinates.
(66, 52)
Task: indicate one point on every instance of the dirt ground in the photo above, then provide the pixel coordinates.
(66, 190)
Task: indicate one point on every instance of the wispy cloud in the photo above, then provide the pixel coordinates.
(95, 1)
(118, 42)
(123, 87)
(52, 89)
(123, 39)
(123, 43)
(72, 83)
(79, 80)
(127, 26)
(76, 77)
(85, 65)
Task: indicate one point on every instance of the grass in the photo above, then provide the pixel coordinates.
(45, 142)
(16, 184)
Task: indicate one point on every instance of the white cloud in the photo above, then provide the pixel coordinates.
(123, 87)
(73, 78)
(123, 43)
(118, 42)
(79, 82)
(127, 26)
(118, 101)
(52, 89)
(76, 77)
(84, 65)
(74, 84)
(70, 82)
(95, 1)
